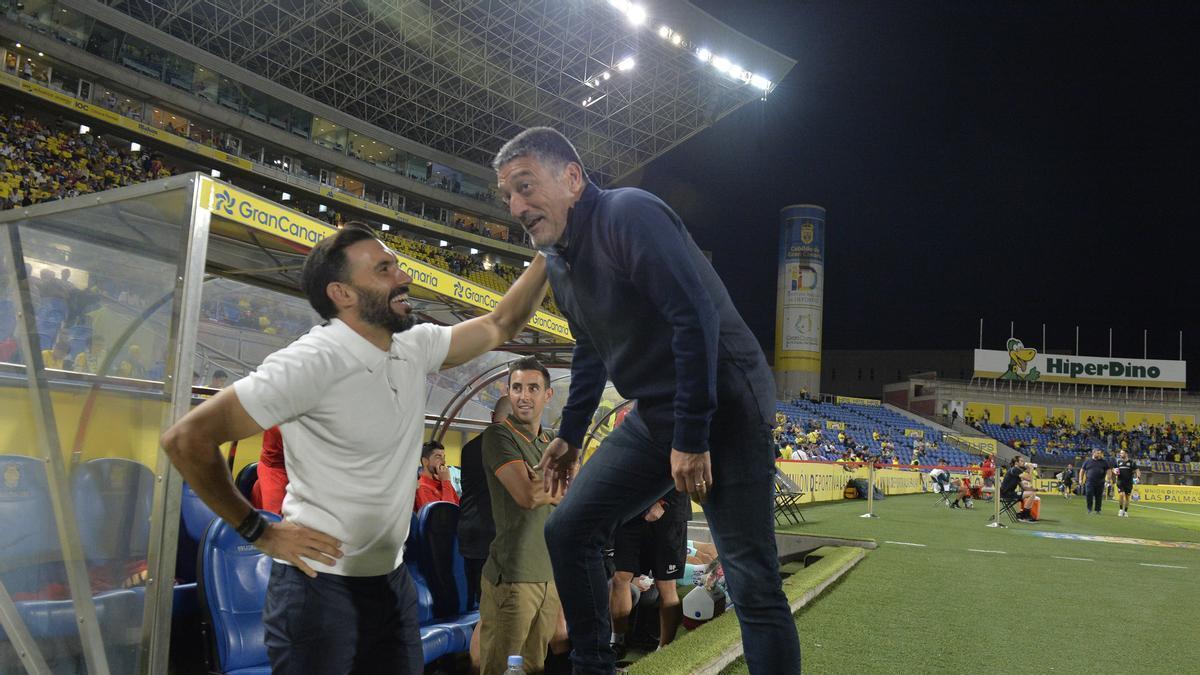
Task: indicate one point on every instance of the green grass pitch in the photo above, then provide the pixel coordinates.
(1042, 605)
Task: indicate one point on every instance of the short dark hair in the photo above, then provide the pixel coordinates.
(529, 363)
(544, 144)
(326, 263)
(220, 373)
(429, 447)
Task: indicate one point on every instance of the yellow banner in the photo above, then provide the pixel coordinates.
(914, 433)
(825, 482)
(169, 138)
(1167, 494)
(978, 443)
(857, 401)
(830, 424)
(242, 207)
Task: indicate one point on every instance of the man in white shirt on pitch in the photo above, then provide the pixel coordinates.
(349, 399)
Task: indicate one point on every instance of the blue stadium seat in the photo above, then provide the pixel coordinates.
(113, 498)
(440, 569)
(31, 563)
(194, 519)
(78, 335)
(233, 585)
(246, 479)
(8, 319)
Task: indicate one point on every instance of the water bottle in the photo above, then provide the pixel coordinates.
(516, 665)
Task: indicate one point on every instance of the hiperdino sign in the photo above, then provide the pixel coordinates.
(1025, 364)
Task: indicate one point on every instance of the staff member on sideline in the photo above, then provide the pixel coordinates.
(518, 606)
(1126, 471)
(647, 310)
(349, 399)
(1093, 474)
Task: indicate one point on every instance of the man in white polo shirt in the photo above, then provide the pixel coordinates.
(349, 399)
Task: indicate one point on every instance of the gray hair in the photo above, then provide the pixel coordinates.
(544, 144)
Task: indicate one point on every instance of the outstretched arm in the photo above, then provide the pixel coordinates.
(485, 333)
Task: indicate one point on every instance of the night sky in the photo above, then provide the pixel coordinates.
(1017, 161)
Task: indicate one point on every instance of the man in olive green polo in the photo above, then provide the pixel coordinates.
(518, 606)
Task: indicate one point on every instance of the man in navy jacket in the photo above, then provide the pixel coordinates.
(648, 311)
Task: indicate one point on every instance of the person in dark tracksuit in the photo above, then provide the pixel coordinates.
(647, 310)
(1093, 474)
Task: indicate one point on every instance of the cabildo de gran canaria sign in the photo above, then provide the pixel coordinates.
(1025, 364)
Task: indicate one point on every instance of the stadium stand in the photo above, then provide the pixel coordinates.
(43, 163)
(46, 161)
(1058, 441)
(869, 432)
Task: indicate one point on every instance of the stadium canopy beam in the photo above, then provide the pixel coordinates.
(462, 78)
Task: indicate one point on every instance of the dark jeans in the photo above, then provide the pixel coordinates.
(340, 625)
(622, 479)
(1094, 493)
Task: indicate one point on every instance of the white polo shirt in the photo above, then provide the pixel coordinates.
(351, 417)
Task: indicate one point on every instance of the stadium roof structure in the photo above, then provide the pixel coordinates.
(626, 82)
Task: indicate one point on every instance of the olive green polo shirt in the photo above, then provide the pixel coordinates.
(518, 553)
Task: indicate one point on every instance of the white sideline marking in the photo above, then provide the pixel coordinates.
(904, 543)
(1066, 557)
(984, 550)
(1174, 567)
(1159, 508)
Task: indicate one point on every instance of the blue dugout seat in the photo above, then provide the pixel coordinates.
(232, 586)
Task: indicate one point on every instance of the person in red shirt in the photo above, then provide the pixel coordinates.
(434, 484)
(272, 473)
(988, 471)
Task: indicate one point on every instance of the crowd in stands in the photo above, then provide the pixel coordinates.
(65, 316)
(257, 314)
(498, 279)
(41, 163)
(807, 430)
(1059, 440)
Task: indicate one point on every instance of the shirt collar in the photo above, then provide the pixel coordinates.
(359, 347)
(579, 213)
(522, 429)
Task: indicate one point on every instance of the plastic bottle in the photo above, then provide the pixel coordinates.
(516, 665)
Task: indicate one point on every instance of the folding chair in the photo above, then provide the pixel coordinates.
(787, 499)
(943, 497)
(1008, 507)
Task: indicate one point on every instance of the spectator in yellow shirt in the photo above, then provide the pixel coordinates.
(57, 358)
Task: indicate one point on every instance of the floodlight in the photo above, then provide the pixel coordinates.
(760, 82)
(626, 64)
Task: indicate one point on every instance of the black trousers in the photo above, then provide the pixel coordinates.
(474, 570)
(337, 625)
(1094, 493)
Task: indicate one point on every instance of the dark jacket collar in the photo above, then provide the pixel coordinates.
(577, 217)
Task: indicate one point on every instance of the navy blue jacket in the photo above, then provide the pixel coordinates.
(648, 311)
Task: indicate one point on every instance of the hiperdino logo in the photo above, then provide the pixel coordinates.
(265, 216)
(1056, 366)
